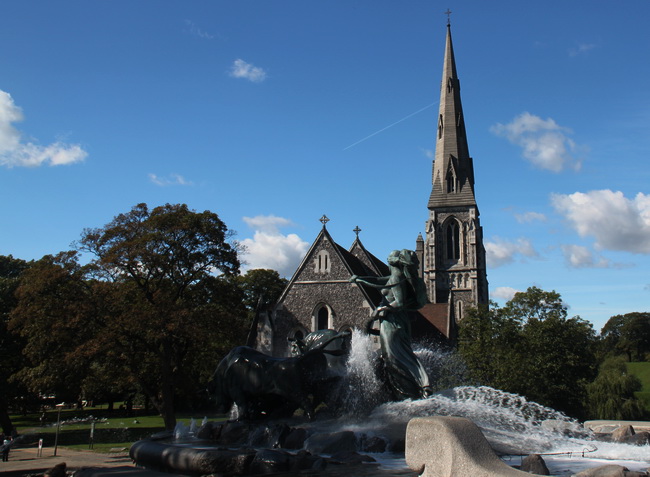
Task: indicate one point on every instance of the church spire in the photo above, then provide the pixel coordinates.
(453, 252)
(453, 172)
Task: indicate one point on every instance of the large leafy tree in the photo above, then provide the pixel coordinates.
(154, 309)
(530, 347)
(261, 286)
(11, 359)
(56, 314)
(628, 335)
(611, 394)
(172, 306)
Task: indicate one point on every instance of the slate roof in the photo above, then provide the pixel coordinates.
(437, 315)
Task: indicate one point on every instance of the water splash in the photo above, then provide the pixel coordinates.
(181, 431)
(510, 422)
(361, 388)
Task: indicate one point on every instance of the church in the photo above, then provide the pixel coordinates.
(451, 255)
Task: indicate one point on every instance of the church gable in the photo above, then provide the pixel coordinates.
(323, 262)
(320, 295)
(372, 265)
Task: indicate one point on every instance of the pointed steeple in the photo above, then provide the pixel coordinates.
(453, 252)
(453, 172)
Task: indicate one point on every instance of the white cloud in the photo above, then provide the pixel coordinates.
(173, 179)
(504, 293)
(614, 221)
(577, 256)
(545, 143)
(194, 30)
(271, 249)
(528, 217)
(501, 252)
(16, 152)
(241, 69)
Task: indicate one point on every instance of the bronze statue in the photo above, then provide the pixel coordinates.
(264, 386)
(403, 291)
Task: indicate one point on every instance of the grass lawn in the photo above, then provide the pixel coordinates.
(112, 429)
(642, 371)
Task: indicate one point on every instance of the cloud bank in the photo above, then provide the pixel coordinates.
(269, 248)
(501, 252)
(577, 256)
(504, 293)
(611, 219)
(545, 143)
(15, 152)
(241, 69)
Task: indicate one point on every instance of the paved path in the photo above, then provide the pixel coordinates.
(24, 460)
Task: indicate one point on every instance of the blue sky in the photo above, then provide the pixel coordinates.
(273, 113)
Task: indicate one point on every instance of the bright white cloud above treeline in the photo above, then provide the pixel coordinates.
(241, 69)
(503, 293)
(611, 219)
(577, 256)
(501, 252)
(269, 248)
(15, 152)
(545, 143)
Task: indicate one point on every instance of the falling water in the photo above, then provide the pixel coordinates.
(361, 388)
(512, 424)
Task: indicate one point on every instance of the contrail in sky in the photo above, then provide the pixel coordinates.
(390, 126)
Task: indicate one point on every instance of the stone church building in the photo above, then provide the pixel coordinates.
(452, 256)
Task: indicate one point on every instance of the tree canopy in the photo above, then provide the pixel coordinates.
(155, 308)
(611, 395)
(628, 335)
(530, 347)
(11, 359)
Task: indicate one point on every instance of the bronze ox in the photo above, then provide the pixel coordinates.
(264, 386)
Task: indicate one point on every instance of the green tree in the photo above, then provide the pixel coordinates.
(11, 359)
(531, 348)
(611, 395)
(487, 340)
(628, 335)
(54, 314)
(168, 311)
(261, 286)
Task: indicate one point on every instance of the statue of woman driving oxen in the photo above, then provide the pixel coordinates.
(403, 291)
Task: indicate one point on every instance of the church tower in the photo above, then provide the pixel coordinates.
(452, 253)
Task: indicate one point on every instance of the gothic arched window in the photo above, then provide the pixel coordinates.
(451, 182)
(453, 240)
(323, 319)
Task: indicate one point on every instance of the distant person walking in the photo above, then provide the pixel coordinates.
(6, 446)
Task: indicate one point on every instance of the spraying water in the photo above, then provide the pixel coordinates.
(512, 424)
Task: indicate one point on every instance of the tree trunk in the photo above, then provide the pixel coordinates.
(167, 391)
(5, 420)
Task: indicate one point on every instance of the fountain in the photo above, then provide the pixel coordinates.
(364, 412)
(513, 426)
